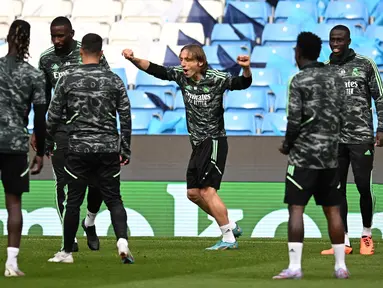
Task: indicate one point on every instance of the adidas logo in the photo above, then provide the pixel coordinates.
(292, 250)
(368, 153)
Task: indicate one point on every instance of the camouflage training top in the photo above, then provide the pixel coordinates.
(54, 66)
(20, 85)
(362, 82)
(204, 100)
(315, 110)
(92, 96)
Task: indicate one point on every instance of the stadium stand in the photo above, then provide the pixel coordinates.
(157, 29)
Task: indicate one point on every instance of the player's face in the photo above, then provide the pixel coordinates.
(61, 37)
(189, 64)
(339, 42)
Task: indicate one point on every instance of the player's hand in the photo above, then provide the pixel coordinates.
(33, 142)
(123, 160)
(283, 150)
(37, 164)
(379, 139)
(128, 54)
(243, 61)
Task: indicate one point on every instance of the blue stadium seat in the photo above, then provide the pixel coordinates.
(31, 117)
(232, 50)
(251, 100)
(233, 34)
(351, 12)
(173, 122)
(378, 10)
(280, 103)
(262, 54)
(375, 32)
(286, 9)
(373, 105)
(212, 57)
(179, 103)
(375, 120)
(280, 34)
(256, 10)
(139, 100)
(264, 77)
(370, 52)
(122, 74)
(239, 123)
(166, 90)
(274, 124)
(140, 121)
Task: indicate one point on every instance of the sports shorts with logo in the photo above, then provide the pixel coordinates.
(207, 164)
(302, 183)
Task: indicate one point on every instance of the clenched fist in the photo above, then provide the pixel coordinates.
(128, 54)
(243, 61)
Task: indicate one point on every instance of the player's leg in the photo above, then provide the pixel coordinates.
(210, 165)
(15, 178)
(344, 164)
(329, 197)
(362, 158)
(299, 184)
(88, 224)
(58, 163)
(108, 173)
(78, 168)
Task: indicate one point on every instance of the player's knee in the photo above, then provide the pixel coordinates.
(193, 195)
(364, 187)
(208, 192)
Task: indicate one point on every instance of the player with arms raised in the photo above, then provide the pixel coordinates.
(203, 90)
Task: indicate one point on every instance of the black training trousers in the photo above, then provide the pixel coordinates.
(361, 158)
(104, 168)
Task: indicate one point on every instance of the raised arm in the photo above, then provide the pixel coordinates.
(158, 71)
(244, 81)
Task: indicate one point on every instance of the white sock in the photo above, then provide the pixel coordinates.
(346, 240)
(12, 256)
(89, 219)
(295, 255)
(340, 256)
(122, 241)
(232, 225)
(366, 232)
(227, 233)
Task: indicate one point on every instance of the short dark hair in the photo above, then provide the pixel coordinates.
(19, 35)
(310, 45)
(342, 28)
(61, 21)
(92, 43)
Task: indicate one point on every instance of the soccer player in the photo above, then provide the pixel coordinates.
(55, 62)
(315, 116)
(362, 82)
(91, 96)
(202, 90)
(21, 85)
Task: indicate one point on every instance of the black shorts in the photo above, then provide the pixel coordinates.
(302, 183)
(207, 164)
(14, 173)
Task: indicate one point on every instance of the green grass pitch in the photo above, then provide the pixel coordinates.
(183, 262)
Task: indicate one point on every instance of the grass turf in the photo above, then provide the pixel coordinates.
(182, 262)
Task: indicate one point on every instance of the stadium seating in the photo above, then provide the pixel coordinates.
(157, 30)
